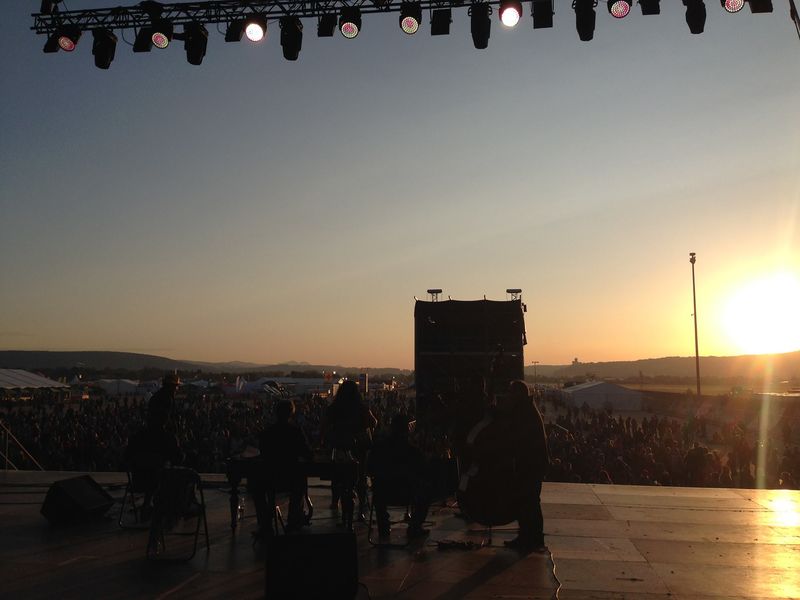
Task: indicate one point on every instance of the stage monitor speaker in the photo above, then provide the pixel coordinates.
(76, 499)
(312, 566)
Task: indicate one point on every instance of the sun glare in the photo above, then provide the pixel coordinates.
(763, 316)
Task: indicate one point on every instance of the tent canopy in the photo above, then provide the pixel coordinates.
(17, 379)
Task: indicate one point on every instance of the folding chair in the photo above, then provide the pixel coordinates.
(136, 487)
(176, 498)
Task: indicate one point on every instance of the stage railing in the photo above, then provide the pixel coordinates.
(10, 437)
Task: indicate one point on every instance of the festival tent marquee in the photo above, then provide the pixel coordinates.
(16, 384)
(601, 395)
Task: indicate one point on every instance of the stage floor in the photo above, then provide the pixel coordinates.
(637, 543)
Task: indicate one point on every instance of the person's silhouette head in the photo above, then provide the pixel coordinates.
(284, 411)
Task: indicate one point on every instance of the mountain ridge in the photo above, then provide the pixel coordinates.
(779, 366)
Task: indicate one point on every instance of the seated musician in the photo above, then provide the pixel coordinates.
(282, 446)
(149, 450)
(398, 469)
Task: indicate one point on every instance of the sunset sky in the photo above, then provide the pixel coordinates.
(262, 210)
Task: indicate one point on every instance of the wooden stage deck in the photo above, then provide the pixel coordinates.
(638, 543)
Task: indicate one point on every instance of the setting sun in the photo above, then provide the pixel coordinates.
(763, 316)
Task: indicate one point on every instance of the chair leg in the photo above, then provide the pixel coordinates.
(369, 524)
(205, 519)
(122, 509)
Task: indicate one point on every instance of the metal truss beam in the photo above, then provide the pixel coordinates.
(220, 11)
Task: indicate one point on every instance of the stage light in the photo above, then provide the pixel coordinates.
(51, 45)
(542, 14)
(195, 41)
(732, 6)
(291, 37)
(161, 33)
(410, 17)
(585, 18)
(760, 6)
(650, 7)
(143, 41)
(440, 21)
(104, 47)
(68, 38)
(49, 7)
(325, 25)
(510, 12)
(255, 28)
(480, 24)
(235, 31)
(619, 9)
(350, 22)
(695, 15)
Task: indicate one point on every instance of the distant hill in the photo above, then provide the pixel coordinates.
(759, 366)
(770, 366)
(130, 361)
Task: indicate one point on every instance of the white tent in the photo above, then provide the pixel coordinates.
(600, 395)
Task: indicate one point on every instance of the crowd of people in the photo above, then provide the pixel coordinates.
(596, 447)
(590, 446)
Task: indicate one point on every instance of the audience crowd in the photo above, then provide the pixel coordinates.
(585, 445)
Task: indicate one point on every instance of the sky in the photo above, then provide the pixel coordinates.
(263, 210)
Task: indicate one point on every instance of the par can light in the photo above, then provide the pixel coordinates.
(619, 9)
(410, 17)
(350, 22)
(510, 12)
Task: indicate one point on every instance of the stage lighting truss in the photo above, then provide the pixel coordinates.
(154, 23)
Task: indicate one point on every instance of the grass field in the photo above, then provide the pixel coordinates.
(706, 389)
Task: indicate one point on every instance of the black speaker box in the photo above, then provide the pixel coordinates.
(312, 566)
(76, 499)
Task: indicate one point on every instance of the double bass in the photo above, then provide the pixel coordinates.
(487, 484)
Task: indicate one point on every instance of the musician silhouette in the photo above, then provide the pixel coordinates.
(149, 450)
(347, 431)
(528, 448)
(397, 470)
(282, 446)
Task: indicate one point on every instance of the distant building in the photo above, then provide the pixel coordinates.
(601, 395)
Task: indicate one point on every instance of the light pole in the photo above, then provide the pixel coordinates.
(534, 362)
(692, 260)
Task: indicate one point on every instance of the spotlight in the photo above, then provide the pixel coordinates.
(255, 28)
(235, 31)
(325, 25)
(350, 22)
(410, 17)
(195, 41)
(695, 15)
(650, 7)
(143, 41)
(161, 33)
(732, 6)
(49, 7)
(291, 37)
(619, 9)
(104, 47)
(51, 45)
(480, 24)
(542, 14)
(760, 6)
(68, 38)
(585, 18)
(510, 12)
(440, 21)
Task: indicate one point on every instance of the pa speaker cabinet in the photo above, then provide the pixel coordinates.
(312, 566)
(76, 499)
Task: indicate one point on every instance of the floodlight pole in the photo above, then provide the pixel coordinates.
(534, 362)
(692, 259)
